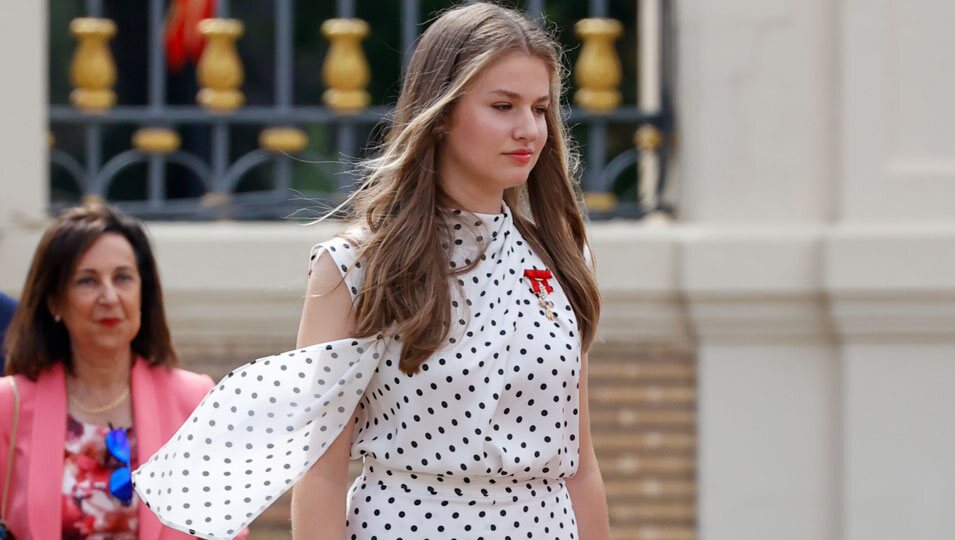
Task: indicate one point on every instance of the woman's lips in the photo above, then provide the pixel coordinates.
(521, 156)
(110, 322)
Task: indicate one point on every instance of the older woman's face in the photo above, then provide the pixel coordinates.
(101, 303)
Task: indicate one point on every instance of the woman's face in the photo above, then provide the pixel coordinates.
(101, 303)
(496, 130)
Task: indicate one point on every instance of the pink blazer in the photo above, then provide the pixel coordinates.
(162, 400)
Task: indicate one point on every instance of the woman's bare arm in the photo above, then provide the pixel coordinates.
(318, 498)
(587, 486)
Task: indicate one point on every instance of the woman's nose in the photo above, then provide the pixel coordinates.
(108, 294)
(526, 127)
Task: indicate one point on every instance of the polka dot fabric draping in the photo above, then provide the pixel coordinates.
(254, 435)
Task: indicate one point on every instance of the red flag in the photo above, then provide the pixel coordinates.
(184, 43)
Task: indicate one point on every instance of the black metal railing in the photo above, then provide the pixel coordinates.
(218, 171)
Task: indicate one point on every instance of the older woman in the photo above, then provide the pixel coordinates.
(98, 392)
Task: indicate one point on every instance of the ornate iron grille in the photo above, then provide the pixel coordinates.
(219, 106)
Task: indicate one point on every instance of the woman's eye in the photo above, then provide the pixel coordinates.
(540, 110)
(502, 106)
(85, 281)
(124, 277)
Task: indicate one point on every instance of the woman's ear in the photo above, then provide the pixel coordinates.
(443, 124)
(53, 305)
(440, 128)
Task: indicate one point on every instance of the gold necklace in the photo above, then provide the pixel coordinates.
(98, 410)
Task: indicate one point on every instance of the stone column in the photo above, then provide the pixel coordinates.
(817, 173)
(757, 168)
(890, 268)
(23, 136)
(768, 389)
(892, 296)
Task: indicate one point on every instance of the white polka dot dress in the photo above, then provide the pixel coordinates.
(476, 445)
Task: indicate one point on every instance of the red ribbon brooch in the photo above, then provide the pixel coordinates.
(542, 288)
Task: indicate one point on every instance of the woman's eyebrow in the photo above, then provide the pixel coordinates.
(515, 95)
(87, 270)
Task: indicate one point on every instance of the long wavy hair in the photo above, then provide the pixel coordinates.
(403, 246)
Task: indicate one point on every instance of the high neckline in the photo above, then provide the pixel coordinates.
(504, 213)
(476, 235)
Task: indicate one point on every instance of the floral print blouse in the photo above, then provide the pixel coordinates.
(90, 511)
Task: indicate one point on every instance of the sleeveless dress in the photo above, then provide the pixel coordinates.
(476, 445)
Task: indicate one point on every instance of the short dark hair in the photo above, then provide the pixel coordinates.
(35, 341)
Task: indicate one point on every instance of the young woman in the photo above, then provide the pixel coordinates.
(443, 339)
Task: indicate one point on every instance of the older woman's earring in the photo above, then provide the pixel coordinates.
(57, 318)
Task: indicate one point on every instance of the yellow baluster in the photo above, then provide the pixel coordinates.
(647, 138)
(156, 140)
(93, 199)
(283, 140)
(92, 72)
(214, 199)
(346, 72)
(600, 202)
(220, 69)
(598, 68)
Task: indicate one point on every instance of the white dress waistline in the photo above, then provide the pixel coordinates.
(455, 487)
